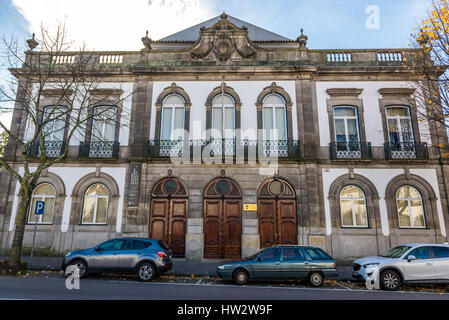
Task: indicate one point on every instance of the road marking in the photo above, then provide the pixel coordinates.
(199, 281)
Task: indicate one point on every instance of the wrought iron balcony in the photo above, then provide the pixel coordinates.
(99, 149)
(350, 150)
(283, 149)
(406, 151)
(53, 149)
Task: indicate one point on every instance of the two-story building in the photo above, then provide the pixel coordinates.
(239, 139)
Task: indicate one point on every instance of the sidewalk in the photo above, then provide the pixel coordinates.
(181, 267)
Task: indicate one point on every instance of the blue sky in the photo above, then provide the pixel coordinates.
(330, 24)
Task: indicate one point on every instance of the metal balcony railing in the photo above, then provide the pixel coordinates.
(406, 150)
(53, 149)
(99, 149)
(283, 149)
(350, 150)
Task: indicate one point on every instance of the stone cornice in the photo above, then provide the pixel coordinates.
(344, 92)
(406, 92)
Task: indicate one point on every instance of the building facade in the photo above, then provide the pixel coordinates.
(343, 159)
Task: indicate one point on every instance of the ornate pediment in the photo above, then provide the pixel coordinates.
(225, 41)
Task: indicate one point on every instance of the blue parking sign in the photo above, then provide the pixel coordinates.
(39, 209)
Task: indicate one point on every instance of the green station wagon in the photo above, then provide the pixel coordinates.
(282, 263)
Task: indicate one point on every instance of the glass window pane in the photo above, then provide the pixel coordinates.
(268, 122)
(441, 252)
(229, 120)
(403, 213)
(88, 211)
(417, 213)
(102, 210)
(397, 111)
(44, 189)
(223, 100)
(421, 253)
(360, 213)
(340, 130)
(48, 210)
(346, 212)
(109, 131)
(174, 100)
(179, 118)
(280, 124)
(344, 112)
(166, 123)
(273, 99)
(217, 122)
(406, 130)
(353, 133)
(352, 192)
(97, 189)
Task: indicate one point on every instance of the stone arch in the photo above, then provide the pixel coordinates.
(275, 89)
(428, 195)
(78, 197)
(371, 199)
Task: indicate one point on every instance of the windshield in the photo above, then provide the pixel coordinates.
(395, 252)
(255, 255)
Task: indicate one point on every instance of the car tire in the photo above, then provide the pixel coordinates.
(145, 272)
(315, 279)
(81, 265)
(240, 277)
(390, 280)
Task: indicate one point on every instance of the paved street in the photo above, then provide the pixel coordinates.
(91, 289)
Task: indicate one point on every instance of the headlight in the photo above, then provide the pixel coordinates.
(221, 267)
(370, 265)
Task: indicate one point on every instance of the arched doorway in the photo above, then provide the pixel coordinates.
(277, 213)
(168, 215)
(222, 220)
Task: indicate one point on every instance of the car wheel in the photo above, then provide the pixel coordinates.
(240, 277)
(146, 272)
(390, 280)
(316, 279)
(81, 265)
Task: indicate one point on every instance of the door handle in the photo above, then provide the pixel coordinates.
(278, 263)
(307, 263)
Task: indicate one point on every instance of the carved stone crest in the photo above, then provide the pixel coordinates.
(223, 47)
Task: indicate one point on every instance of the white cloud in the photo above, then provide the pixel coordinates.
(116, 24)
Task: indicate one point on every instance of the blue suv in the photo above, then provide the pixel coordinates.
(144, 257)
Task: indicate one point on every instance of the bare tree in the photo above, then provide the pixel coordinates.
(71, 80)
(428, 70)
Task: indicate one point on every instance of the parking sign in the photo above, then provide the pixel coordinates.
(39, 209)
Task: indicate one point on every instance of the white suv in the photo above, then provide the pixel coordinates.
(408, 263)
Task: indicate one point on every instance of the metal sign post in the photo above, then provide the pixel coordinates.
(38, 211)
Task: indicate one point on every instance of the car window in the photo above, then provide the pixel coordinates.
(420, 253)
(292, 254)
(135, 245)
(162, 244)
(273, 254)
(441, 252)
(395, 252)
(317, 254)
(111, 245)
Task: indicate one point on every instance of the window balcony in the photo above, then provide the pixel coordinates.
(406, 151)
(53, 149)
(99, 149)
(350, 151)
(283, 150)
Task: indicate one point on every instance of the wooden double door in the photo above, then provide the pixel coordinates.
(168, 217)
(222, 220)
(277, 213)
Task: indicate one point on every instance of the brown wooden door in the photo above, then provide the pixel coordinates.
(222, 220)
(168, 220)
(277, 214)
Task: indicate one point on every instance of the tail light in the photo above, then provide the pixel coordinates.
(335, 265)
(162, 254)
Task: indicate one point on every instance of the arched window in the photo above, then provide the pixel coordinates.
(223, 117)
(95, 209)
(46, 193)
(399, 123)
(274, 118)
(104, 124)
(410, 208)
(53, 130)
(353, 207)
(173, 118)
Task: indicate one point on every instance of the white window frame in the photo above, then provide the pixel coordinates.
(96, 206)
(345, 119)
(223, 120)
(274, 117)
(173, 107)
(409, 200)
(354, 218)
(398, 121)
(103, 124)
(44, 198)
(52, 124)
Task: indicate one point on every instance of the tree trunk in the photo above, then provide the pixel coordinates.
(16, 249)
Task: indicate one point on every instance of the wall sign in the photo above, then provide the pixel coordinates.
(135, 170)
(250, 207)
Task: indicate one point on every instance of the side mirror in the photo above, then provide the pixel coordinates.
(411, 258)
(259, 259)
(98, 249)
